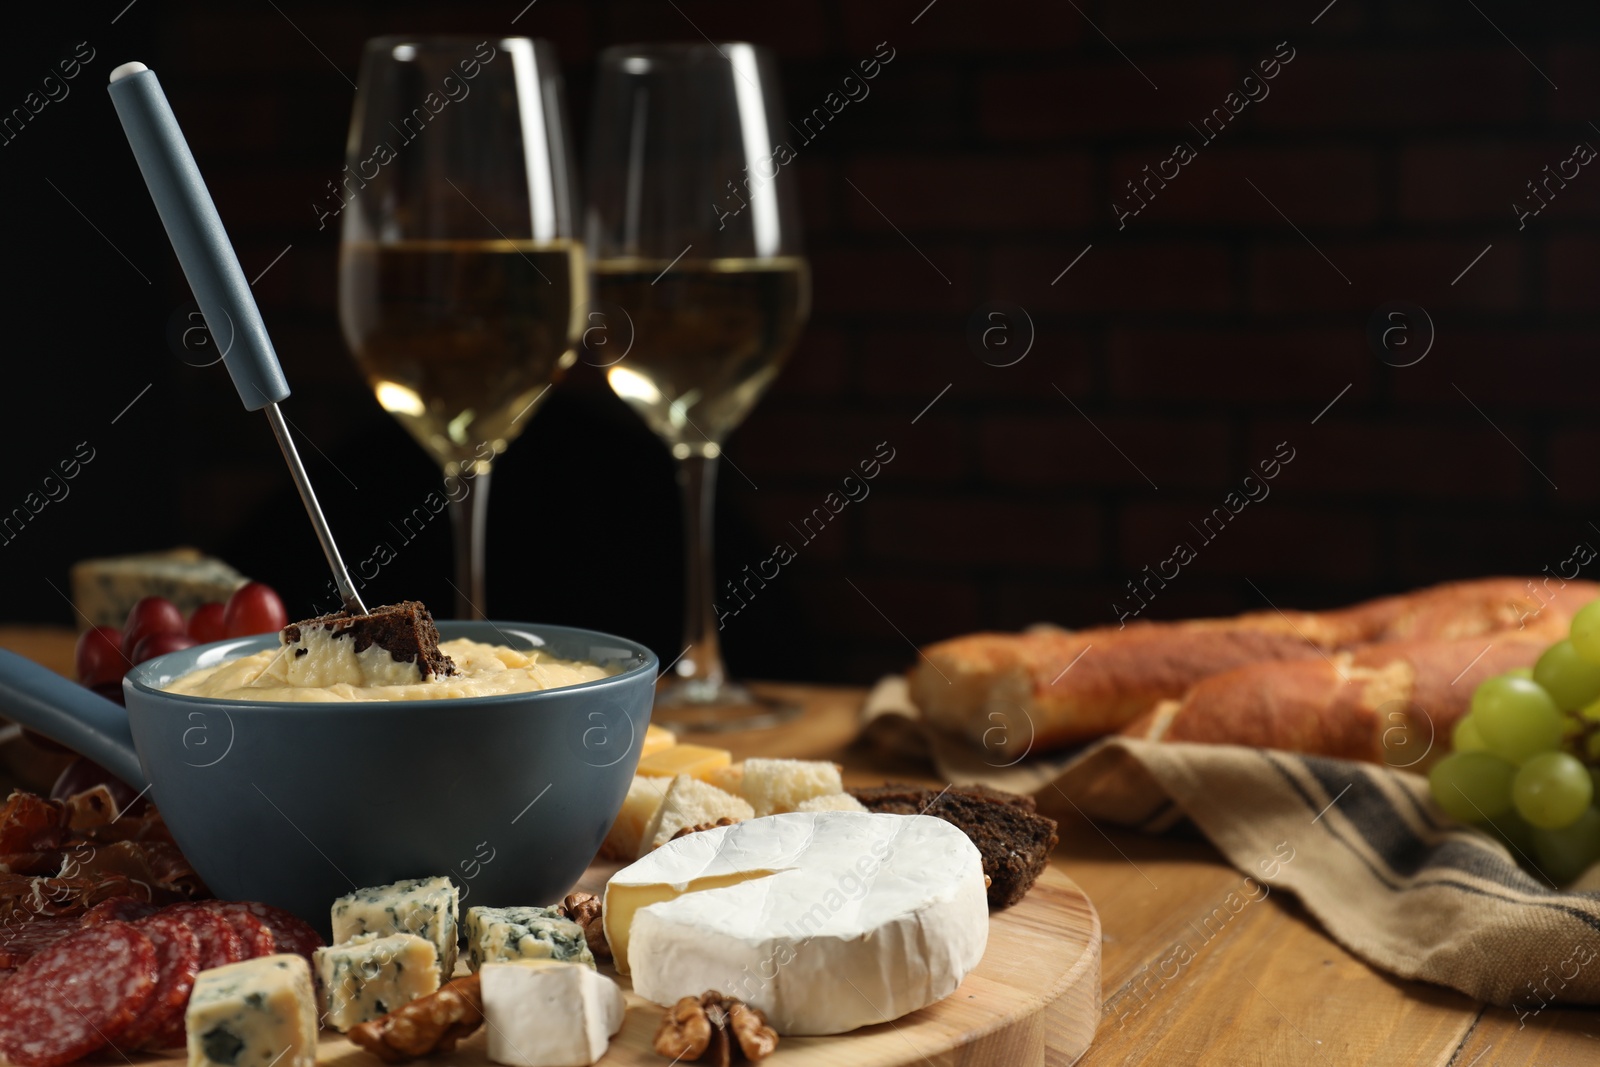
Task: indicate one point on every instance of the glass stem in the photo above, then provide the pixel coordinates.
(702, 661)
(468, 520)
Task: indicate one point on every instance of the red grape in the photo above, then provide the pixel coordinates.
(152, 615)
(206, 624)
(98, 658)
(160, 644)
(254, 609)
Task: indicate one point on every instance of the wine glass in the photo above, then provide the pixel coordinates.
(461, 282)
(694, 234)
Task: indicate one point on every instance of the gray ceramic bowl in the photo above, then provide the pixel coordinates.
(296, 804)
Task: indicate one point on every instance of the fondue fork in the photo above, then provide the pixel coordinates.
(212, 269)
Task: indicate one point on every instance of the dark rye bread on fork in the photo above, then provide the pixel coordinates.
(404, 630)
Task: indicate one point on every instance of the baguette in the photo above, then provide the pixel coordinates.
(1394, 703)
(1047, 688)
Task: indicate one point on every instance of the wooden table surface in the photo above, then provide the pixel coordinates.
(1271, 989)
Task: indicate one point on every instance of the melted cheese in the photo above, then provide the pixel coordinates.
(343, 675)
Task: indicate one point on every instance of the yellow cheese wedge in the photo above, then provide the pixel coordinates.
(623, 901)
(644, 797)
(696, 761)
(657, 738)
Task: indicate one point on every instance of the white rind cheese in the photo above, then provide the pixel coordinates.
(825, 921)
(427, 907)
(541, 1013)
(369, 976)
(253, 1014)
(499, 935)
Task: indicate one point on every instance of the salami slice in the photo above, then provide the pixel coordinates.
(177, 962)
(76, 995)
(20, 940)
(219, 944)
(120, 909)
(290, 932)
(256, 935)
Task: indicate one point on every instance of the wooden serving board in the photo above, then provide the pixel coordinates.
(1033, 1001)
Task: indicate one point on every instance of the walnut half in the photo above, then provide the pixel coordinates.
(717, 1029)
(584, 909)
(433, 1023)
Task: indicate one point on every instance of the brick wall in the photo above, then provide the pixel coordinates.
(1193, 337)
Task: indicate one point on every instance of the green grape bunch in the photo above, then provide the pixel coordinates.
(1525, 759)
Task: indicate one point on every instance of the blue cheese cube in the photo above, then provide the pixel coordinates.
(253, 1014)
(498, 935)
(369, 976)
(426, 907)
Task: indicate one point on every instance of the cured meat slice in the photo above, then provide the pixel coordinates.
(290, 932)
(256, 935)
(219, 943)
(177, 962)
(21, 939)
(120, 909)
(76, 995)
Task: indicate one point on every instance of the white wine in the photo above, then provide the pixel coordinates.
(708, 336)
(459, 339)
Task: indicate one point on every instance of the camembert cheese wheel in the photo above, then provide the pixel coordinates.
(826, 921)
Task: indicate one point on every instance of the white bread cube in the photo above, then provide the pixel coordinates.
(690, 802)
(834, 802)
(776, 786)
(640, 806)
(729, 779)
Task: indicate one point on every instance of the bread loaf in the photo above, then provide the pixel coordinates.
(1047, 688)
(1393, 703)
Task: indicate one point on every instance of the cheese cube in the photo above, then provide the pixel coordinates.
(644, 797)
(498, 935)
(657, 738)
(427, 907)
(690, 802)
(697, 761)
(369, 976)
(776, 786)
(540, 1013)
(253, 1014)
(103, 590)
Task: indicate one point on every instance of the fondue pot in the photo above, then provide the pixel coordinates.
(295, 804)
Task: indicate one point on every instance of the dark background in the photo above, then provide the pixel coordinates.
(1173, 357)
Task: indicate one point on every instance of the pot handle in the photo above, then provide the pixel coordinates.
(66, 712)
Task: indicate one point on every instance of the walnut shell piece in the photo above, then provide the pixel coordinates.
(716, 1030)
(433, 1023)
(585, 910)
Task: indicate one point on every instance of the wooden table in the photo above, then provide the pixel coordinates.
(1272, 989)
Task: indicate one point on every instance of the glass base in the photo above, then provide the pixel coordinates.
(696, 705)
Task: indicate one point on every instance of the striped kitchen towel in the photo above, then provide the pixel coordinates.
(1387, 875)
